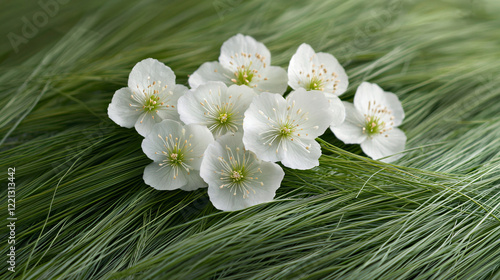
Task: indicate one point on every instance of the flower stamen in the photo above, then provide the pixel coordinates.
(375, 120)
(237, 173)
(152, 99)
(177, 152)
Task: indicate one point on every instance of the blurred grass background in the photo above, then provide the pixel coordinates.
(85, 213)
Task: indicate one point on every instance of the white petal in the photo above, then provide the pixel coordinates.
(152, 69)
(338, 81)
(256, 122)
(300, 65)
(264, 183)
(201, 138)
(190, 109)
(254, 142)
(171, 112)
(120, 109)
(273, 79)
(315, 108)
(241, 96)
(224, 199)
(185, 107)
(298, 157)
(210, 165)
(152, 145)
(337, 107)
(145, 123)
(272, 175)
(232, 140)
(210, 162)
(204, 105)
(382, 147)
(366, 94)
(210, 71)
(395, 106)
(194, 181)
(240, 50)
(162, 177)
(351, 130)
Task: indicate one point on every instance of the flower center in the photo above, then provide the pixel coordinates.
(148, 99)
(376, 120)
(319, 78)
(238, 172)
(223, 118)
(221, 115)
(373, 125)
(177, 151)
(175, 157)
(152, 104)
(243, 76)
(315, 84)
(286, 126)
(286, 130)
(236, 176)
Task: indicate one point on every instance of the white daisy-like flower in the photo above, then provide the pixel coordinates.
(216, 106)
(151, 96)
(177, 152)
(243, 61)
(319, 72)
(236, 177)
(316, 71)
(372, 121)
(279, 129)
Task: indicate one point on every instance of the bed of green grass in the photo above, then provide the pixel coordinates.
(84, 211)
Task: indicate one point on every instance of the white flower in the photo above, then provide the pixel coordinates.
(321, 72)
(316, 71)
(371, 121)
(236, 177)
(151, 96)
(216, 106)
(276, 129)
(243, 61)
(177, 152)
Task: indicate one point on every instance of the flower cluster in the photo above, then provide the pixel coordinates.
(231, 127)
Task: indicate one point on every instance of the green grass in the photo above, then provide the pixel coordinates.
(84, 211)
